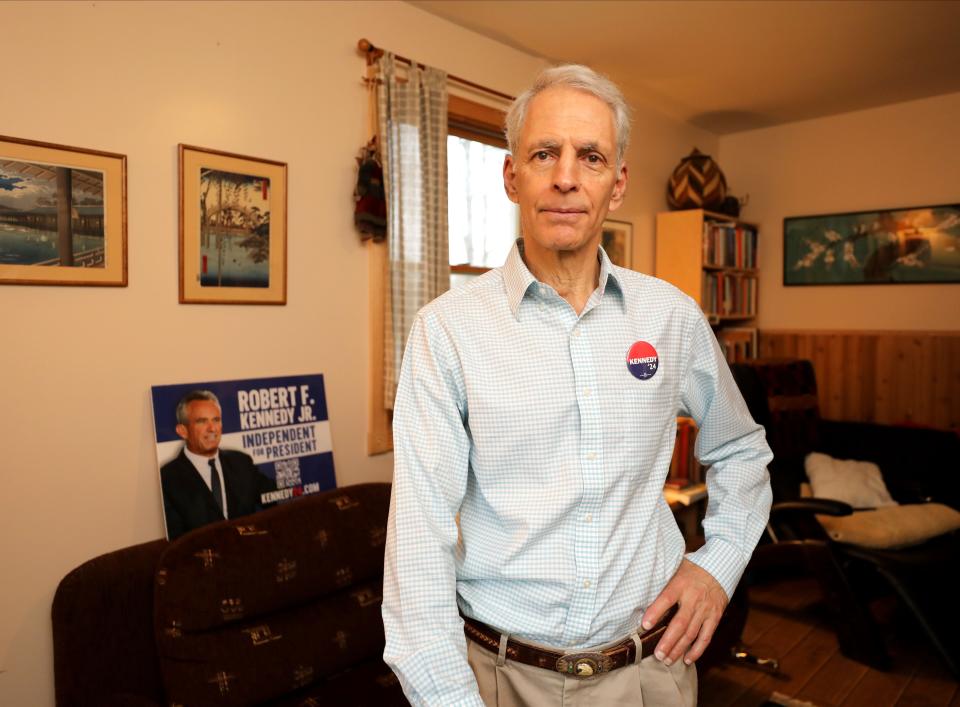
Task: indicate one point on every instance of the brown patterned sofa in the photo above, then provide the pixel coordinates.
(279, 608)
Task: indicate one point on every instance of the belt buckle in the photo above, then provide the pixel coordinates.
(584, 665)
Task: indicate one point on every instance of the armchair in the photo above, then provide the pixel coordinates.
(917, 465)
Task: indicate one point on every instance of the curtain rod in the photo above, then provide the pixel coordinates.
(373, 53)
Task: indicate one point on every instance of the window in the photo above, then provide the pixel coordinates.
(483, 223)
(482, 220)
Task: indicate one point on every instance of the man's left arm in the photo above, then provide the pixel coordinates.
(738, 500)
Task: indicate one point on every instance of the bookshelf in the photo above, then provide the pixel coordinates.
(713, 258)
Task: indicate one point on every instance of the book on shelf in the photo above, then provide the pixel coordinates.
(729, 294)
(728, 244)
(739, 344)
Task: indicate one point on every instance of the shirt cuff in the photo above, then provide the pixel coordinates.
(723, 561)
(438, 675)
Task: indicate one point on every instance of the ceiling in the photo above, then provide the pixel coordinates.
(738, 65)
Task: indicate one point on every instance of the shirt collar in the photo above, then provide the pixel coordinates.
(610, 277)
(518, 279)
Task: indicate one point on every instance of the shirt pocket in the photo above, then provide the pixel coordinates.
(644, 412)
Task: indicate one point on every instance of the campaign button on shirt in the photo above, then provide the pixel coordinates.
(642, 360)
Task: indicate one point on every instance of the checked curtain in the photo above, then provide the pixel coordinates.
(412, 113)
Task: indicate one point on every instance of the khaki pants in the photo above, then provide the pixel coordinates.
(647, 682)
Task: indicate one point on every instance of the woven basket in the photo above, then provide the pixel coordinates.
(696, 183)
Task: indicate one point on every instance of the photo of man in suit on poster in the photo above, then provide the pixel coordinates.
(229, 448)
(205, 483)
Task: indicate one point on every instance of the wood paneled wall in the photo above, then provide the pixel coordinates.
(879, 376)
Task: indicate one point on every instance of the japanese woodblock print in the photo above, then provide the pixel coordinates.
(233, 228)
(62, 215)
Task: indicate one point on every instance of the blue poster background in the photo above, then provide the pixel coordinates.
(282, 422)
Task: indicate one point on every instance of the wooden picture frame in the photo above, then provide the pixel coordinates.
(48, 240)
(617, 241)
(233, 228)
(885, 246)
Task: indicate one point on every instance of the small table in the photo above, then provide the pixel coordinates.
(689, 505)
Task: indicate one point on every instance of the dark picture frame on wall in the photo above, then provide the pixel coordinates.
(617, 241)
(233, 228)
(63, 215)
(919, 244)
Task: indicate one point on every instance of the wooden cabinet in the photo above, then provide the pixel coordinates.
(713, 258)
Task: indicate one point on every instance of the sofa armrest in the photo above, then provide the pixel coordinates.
(796, 519)
(103, 643)
(811, 506)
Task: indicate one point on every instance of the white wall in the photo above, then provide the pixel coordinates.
(895, 156)
(274, 80)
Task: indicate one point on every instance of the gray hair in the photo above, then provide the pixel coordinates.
(192, 396)
(581, 78)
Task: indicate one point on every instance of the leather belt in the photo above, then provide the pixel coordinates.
(581, 664)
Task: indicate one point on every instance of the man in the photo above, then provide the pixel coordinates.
(539, 403)
(204, 483)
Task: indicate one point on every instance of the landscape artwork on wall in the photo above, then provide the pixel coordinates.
(911, 245)
(62, 215)
(232, 228)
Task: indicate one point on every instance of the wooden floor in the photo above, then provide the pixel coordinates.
(787, 621)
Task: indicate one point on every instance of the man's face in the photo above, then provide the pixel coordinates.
(203, 428)
(564, 176)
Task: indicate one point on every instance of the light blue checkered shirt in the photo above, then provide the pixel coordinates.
(525, 419)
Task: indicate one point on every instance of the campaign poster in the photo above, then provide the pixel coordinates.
(279, 424)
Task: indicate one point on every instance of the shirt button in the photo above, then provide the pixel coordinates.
(586, 392)
(591, 455)
(576, 332)
(588, 518)
(586, 584)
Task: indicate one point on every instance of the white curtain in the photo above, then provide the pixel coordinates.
(413, 128)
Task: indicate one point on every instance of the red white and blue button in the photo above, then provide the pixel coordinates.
(642, 360)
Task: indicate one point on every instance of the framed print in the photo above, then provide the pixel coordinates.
(911, 245)
(617, 241)
(233, 228)
(63, 215)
